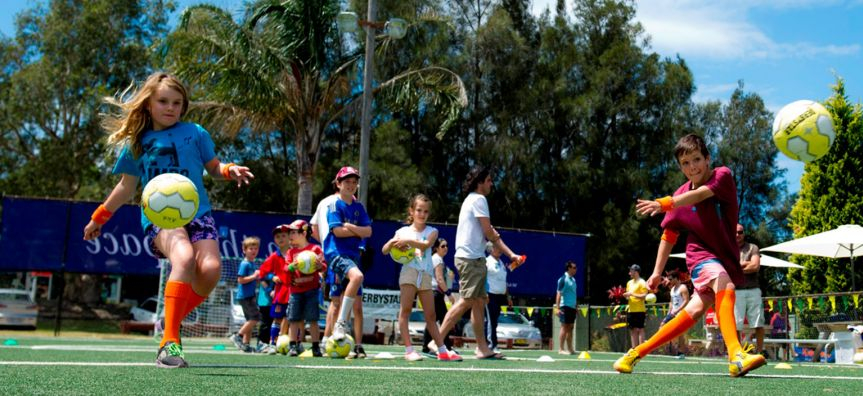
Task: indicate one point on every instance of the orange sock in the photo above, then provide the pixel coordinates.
(195, 299)
(176, 299)
(673, 329)
(727, 323)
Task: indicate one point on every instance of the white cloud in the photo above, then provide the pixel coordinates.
(722, 30)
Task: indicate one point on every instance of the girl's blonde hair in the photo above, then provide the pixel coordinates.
(127, 125)
(413, 205)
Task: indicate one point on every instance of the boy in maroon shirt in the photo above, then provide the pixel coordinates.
(705, 207)
(305, 288)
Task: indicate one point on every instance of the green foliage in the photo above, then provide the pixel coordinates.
(830, 196)
(65, 57)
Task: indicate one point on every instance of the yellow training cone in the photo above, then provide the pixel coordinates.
(584, 355)
(306, 354)
(783, 366)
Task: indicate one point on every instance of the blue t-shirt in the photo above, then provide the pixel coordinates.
(264, 299)
(246, 290)
(340, 213)
(183, 148)
(568, 288)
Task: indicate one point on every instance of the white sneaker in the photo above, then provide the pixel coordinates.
(413, 356)
(339, 331)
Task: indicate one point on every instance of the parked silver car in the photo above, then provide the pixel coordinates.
(17, 308)
(516, 327)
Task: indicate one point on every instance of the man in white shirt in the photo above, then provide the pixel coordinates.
(474, 228)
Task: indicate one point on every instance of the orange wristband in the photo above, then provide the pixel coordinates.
(666, 203)
(101, 215)
(226, 171)
(670, 236)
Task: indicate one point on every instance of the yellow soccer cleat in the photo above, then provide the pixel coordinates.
(627, 362)
(744, 362)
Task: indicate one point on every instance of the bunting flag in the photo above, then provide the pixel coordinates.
(419, 304)
(516, 310)
(654, 311)
(810, 300)
(845, 303)
(833, 303)
(584, 312)
(608, 310)
(790, 306)
(856, 298)
(529, 311)
(770, 304)
(801, 305)
(503, 309)
(822, 303)
(781, 307)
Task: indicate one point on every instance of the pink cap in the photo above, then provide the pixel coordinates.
(299, 224)
(347, 171)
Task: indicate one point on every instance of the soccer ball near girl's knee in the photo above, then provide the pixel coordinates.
(170, 200)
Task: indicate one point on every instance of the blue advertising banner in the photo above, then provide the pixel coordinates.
(36, 234)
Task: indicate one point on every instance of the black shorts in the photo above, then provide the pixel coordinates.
(567, 315)
(635, 320)
(250, 309)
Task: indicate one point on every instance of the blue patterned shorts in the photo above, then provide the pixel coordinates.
(200, 228)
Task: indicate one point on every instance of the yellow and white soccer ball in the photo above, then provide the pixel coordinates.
(306, 261)
(403, 256)
(339, 348)
(650, 298)
(803, 130)
(283, 344)
(170, 200)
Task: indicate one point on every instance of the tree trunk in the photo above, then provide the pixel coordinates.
(307, 145)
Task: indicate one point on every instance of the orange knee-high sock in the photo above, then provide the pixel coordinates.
(727, 323)
(195, 299)
(176, 299)
(673, 329)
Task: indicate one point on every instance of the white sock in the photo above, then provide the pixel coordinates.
(347, 306)
(442, 349)
(409, 349)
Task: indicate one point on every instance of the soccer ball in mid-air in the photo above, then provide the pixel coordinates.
(306, 262)
(283, 344)
(803, 130)
(339, 348)
(170, 200)
(403, 256)
(650, 298)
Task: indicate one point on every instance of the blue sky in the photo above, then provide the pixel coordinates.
(783, 50)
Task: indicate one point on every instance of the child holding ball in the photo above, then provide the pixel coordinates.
(416, 276)
(154, 141)
(305, 288)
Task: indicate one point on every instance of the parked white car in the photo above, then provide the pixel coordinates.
(17, 308)
(516, 327)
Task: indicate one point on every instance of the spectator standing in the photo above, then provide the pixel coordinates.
(245, 294)
(565, 307)
(636, 291)
(749, 308)
(498, 295)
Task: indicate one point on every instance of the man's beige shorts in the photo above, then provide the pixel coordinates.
(411, 276)
(472, 275)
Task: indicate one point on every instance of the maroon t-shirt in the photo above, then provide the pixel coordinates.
(710, 224)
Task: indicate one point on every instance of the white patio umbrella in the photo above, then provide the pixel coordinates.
(766, 261)
(841, 242)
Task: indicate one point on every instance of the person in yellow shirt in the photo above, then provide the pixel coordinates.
(636, 291)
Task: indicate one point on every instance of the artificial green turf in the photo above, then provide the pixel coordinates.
(230, 372)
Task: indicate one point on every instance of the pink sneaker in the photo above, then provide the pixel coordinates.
(449, 356)
(413, 356)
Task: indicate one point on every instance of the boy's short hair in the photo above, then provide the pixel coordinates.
(689, 144)
(476, 176)
(251, 241)
(571, 264)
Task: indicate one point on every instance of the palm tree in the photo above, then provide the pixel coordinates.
(280, 71)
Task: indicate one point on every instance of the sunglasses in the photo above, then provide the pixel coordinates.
(739, 232)
(444, 246)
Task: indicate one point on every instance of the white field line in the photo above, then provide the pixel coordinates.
(455, 367)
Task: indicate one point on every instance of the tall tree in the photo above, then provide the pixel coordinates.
(278, 70)
(65, 57)
(830, 196)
